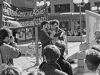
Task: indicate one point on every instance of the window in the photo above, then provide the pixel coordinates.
(97, 4)
(65, 25)
(61, 8)
(85, 7)
(49, 9)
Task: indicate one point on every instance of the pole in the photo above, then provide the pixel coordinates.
(80, 22)
(46, 10)
(36, 40)
(1, 7)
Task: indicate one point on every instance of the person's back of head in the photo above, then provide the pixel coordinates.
(11, 70)
(51, 52)
(4, 32)
(61, 45)
(92, 59)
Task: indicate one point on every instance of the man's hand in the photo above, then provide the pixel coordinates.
(62, 33)
(54, 40)
(11, 39)
(52, 34)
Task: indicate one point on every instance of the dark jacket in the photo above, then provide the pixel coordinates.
(44, 38)
(52, 68)
(65, 66)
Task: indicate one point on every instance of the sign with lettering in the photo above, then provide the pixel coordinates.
(27, 18)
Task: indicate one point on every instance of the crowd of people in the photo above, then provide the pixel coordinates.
(54, 48)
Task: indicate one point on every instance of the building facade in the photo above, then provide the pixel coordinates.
(64, 10)
(57, 6)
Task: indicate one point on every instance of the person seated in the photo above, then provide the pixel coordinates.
(65, 65)
(11, 70)
(51, 67)
(92, 61)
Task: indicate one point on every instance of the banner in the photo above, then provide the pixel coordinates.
(13, 11)
(29, 18)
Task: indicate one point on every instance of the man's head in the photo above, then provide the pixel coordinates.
(61, 45)
(92, 59)
(5, 34)
(51, 52)
(55, 24)
(97, 34)
(44, 24)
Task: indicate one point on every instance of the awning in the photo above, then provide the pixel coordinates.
(54, 16)
(66, 16)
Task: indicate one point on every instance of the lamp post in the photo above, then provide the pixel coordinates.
(42, 3)
(38, 4)
(80, 3)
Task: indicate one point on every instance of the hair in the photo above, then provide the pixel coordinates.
(51, 52)
(44, 23)
(61, 45)
(92, 59)
(55, 21)
(97, 31)
(11, 70)
(50, 22)
(96, 47)
(4, 32)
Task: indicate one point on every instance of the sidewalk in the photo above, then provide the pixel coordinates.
(25, 64)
